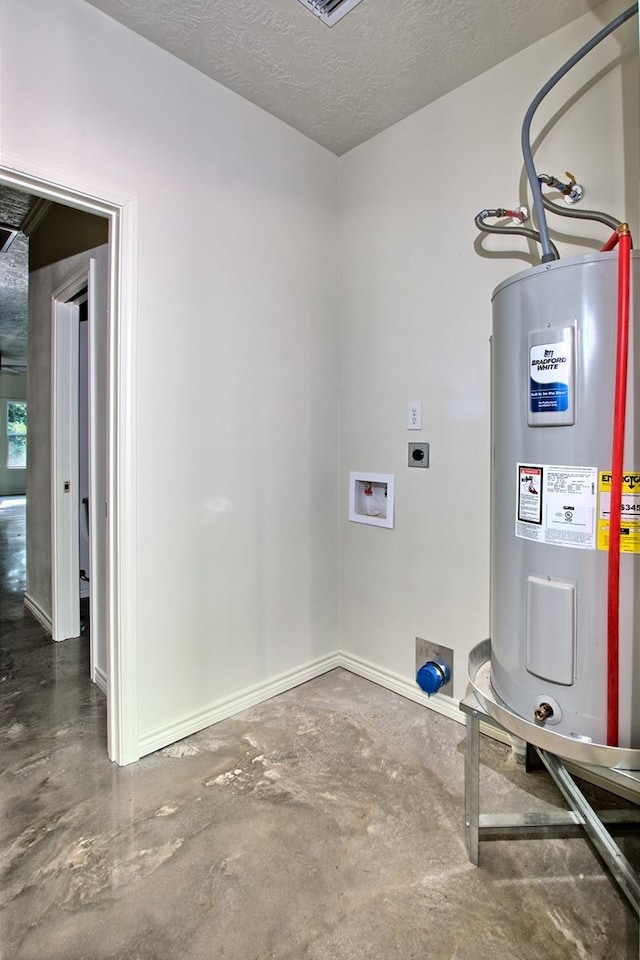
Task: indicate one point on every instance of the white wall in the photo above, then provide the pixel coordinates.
(237, 444)
(12, 387)
(415, 292)
(238, 511)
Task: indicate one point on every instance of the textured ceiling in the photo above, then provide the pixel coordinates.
(14, 279)
(342, 85)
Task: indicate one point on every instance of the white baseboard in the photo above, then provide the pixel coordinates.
(258, 693)
(100, 679)
(447, 706)
(229, 706)
(41, 616)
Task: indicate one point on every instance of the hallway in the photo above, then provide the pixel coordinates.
(326, 824)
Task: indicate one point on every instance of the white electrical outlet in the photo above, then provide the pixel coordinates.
(414, 416)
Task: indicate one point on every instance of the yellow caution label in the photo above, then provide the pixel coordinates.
(629, 512)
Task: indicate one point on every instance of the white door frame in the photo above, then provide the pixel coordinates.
(121, 211)
(65, 496)
(65, 468)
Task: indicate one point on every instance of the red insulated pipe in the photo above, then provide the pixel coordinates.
(619, 413)
(611, 242)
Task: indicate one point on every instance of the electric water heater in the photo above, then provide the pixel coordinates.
(553, 373)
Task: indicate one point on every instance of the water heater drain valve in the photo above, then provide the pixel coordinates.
(546, 711)
(543, 712)
(433, 675)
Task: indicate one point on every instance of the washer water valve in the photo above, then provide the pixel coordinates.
(432, 675)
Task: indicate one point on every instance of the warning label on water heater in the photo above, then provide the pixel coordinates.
(556, 504)
(629, 512)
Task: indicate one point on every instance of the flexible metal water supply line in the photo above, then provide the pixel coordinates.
(499, 212)
(548, 251)
(598, 215)
(576, 214)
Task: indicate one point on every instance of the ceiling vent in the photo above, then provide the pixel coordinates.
(330, 11)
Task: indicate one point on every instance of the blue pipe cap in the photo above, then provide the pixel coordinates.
(432, 675)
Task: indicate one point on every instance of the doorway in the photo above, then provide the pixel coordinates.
(79, 457)
(120, 445)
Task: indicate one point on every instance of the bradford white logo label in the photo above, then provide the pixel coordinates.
(548, 361)
(549, 377)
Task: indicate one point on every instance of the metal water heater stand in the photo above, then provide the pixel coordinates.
(578, 819)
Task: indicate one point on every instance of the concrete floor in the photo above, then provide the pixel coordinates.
(326, 824)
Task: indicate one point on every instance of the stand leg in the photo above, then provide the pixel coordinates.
(472, 787)
(621, 870)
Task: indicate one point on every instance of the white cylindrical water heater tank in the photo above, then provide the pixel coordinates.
(553, 365)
